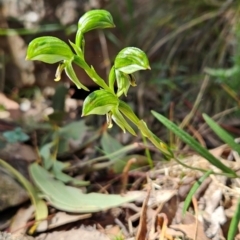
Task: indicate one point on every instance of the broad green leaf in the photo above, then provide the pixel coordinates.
(49, 49)
(234, 223)
(99, 102)
(46, 155)
(185, 137)
(130, 60)
(222, 134)
(71, 199)
(193, 190)
(41, 210)
(95, 19)
(65, 178)
(59, 98)
(111, 145)
(72, 131)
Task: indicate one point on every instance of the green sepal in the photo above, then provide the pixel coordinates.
(123, 82)
(95, 19)
(99, 102)
(130, 60)
(73, 77)
(121, 121)
(49, 50)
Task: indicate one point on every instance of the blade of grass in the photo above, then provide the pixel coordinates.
(193, 190)
(185, 137)
(234, 223)
(222, 134)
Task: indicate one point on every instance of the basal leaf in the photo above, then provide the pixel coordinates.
(71, 199)
(111, 145)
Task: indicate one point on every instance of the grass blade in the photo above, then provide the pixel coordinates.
(193, 190)
(222, 134)
(234, 223)
(185, 137)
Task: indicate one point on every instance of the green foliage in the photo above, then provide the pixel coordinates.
(111, 145)
(193, 190)
(234, 223)
(185, 137)
(16, 135)
(71, 199)
(222, 134)
(41, 211)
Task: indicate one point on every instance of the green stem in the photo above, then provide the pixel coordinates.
(126, 110)
(78, 39)
(91, 73)
(147, 153)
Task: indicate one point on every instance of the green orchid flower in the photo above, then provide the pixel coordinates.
(128, 61)
(103, 102)
(94, 19)
(49, 50)
(52, 50)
